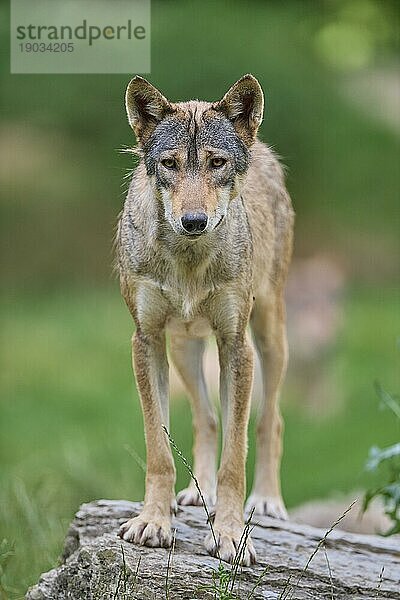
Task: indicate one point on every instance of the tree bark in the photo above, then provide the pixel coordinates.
(96, 564)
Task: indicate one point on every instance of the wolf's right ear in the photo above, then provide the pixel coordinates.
(145, 107)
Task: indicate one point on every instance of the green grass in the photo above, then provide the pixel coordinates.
(70, 416)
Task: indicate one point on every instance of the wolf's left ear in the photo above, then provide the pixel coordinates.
(243, 104)
(145, 106)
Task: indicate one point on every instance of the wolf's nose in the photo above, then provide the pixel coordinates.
(194, 222)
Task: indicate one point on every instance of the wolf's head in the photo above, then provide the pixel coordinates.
(195, 152)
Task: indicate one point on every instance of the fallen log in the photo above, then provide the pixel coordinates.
(96, 564)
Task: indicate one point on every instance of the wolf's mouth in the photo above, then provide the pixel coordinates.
(219, 222)
(193, 235)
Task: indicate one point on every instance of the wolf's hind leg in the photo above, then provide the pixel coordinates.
(187, 356)
(269, 332)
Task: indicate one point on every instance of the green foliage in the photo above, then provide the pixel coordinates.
(355, 33)
(387, 460)
(221, 583)
(7, 552)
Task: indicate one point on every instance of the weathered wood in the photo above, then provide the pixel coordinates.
(99, 565)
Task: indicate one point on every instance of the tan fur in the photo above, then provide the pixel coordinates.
(216, 284)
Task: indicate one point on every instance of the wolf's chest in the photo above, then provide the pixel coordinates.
(188, 318)
(185, 298)
(178, 304)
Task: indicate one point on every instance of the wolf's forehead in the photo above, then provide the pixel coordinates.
(194, 128)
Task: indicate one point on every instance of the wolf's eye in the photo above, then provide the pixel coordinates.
(168, 163)
(217, 162)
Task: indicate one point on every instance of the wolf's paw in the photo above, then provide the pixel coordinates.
(191, 497)
(229, 547)
(270, 506)
(147, 532)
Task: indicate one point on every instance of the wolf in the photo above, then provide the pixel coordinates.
(204, 244)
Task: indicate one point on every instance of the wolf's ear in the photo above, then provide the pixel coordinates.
(145, 106)
(243, 104)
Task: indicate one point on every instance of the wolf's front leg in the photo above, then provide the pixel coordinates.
(236, 373)
(153, 526)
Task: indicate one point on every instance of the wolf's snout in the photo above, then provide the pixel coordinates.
(194, 222)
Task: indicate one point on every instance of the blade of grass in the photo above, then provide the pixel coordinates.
(329, 571)
(378, 589)
(319, 545)
(170, 555)
(196, 482)
(241, 547)
(258, 582)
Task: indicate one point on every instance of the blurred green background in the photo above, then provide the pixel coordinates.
(70, 421)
